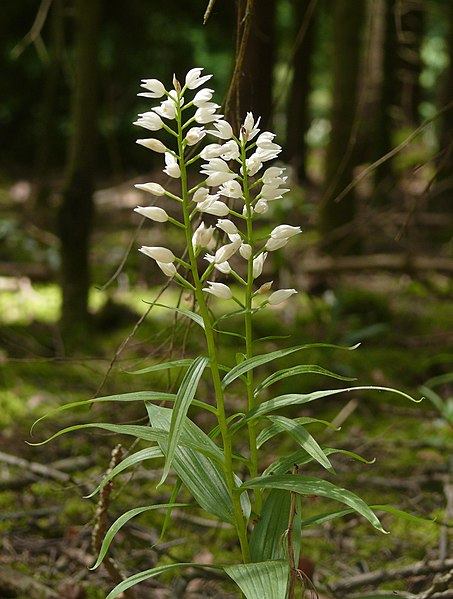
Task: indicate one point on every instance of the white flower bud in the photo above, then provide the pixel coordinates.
(201, 97)
(261, 206)
(227, 226)
(223, 130)
(258, 264)
(211, 151)
(160, 254)
(225, 252)
(168, 268)
(231, 189)
(194, 135)
(219, 290)
(275, 244)
(172, 167)
(153, 144)
(285, 232)
(156, 88)
(245, 250)
(154, 188)
(280, 296)
(202, 236)
(223, 267)
(153, 212)
(200, 195)
(149, 120)
(194, 80)
(216, 208)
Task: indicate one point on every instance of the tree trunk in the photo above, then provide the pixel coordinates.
(444, 175)
(410, 24)
(255, 61)
(336, 218)
(76, 211)
(297, 116)
(46, 118)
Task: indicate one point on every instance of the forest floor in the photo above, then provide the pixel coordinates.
(404, 324)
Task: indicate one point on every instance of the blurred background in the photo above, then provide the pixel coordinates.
(360, 94)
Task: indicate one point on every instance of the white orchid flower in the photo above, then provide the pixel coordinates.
(225, 252)
(172, 167)
(194, 135)
(156, 88)
(168, 268)
(227, 226)
(153, 144)
(223, 267)
(166, 110)
(153, 213)
(149, 120)
(153, 188)
(219, 290)
(202, 236)
(231, 189)
(160, 254)
(285, 232)
(245, 250)
(280, 296)
(194, 79)
(201, 97)
(223, 130)
(258, 264)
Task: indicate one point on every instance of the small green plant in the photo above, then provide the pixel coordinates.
(264, 506)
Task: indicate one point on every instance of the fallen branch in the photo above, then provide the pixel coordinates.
(383, 575)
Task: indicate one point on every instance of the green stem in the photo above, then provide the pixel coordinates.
(241, 525)
(253, 468)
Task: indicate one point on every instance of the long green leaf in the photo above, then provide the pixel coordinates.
(274, 429)
(147, 574)
(300, 457)
(146, 434)
(293, 399)
(300, 434)
(266, 541)
(263, 580)
(182, 363)
(261, 359)
(149, 453)
(134, 396)
(184, 397)
(296, 370)
(192, 315)
(204, 477)
(305, 485)
(124, 519)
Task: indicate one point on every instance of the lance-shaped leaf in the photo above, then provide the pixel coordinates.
(293, 399)
(300, 434)
(297, 370)
(124, 519)
(184, 397)
(149, 453)
(300, 457)
(263, 580)
(261, 359)
(305, 485)
(266, 541)
(203, 476)
(147, 574)
(182, 363)
(192, 315)
(275, 428)
(126, 397)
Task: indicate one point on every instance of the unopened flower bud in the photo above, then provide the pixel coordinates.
(160, 254)
(169, 269)
(285, 232)
(153, 144)
(153, 212)
(225, 252)
(219, 290)
(245, 250)
(176, 84)
(280, 296)
(258, 264)
(227, 226)
(153, 188)
(275, 244)
(194, 135)
(202, 236)
(261, 206)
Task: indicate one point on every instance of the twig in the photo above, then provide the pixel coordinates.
(34, 35)
(383, 575)
(100, 526)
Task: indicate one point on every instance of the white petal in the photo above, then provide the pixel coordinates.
(280, 296)
(160, 254)
(153, 212)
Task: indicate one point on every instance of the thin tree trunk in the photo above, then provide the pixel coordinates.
(297, 116)
(76, 210)
(46, 117)
(256, 53)
(336, 219)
